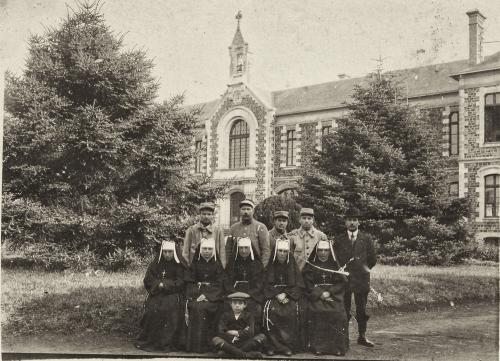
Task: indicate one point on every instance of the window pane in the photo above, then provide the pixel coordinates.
(238, 145)
(492, 124)
(454, 117)
(454, 149)
(489, 180)
(488, 100)
(489, 195)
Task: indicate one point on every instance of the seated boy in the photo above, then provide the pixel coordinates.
(236, 330)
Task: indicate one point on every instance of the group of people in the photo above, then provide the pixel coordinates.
(258, 291)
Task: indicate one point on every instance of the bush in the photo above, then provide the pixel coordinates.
(485, 253)
(264, 211)
(120, 259)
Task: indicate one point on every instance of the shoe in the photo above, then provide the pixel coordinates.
(318, 353)
(365, 342)
(220, 354)
(270, 353)
(287, 353)
(255, 354)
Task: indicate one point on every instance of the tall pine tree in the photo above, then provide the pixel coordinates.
(385, 160)
(90, 159)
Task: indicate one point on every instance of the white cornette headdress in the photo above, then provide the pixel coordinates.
(282, 244)
(325, 245)
(168, 246)
(208, 243)
(245, 242)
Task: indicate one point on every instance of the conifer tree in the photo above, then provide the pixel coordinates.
(385, 160)
(90, 158)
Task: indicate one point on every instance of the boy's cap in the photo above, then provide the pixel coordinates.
(239, 296)
(307, 212)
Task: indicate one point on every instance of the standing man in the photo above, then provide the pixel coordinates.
(204, 229)
(355, 250)
(279, 229)
(305, 237)
(248, 227)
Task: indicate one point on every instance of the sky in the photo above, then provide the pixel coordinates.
(292, 42)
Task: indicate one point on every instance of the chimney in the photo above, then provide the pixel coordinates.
(476, 20)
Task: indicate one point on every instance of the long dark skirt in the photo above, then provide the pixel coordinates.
(201, 325)
(327, 327)
(281, 323)
(161, 322)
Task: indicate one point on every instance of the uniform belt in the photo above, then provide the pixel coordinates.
(323, 284)
(280, 286)
(204, 284)
(238, 282)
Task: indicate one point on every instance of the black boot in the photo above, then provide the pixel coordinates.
(362, 340)
(233, 350)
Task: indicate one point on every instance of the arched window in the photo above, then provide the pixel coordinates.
(234, 206)
(238, 145)
(492, 195)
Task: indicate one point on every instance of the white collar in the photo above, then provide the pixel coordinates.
(355, 234)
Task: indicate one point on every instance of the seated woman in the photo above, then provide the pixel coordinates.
(282, 289)
(162, 320)
(244, 274)
(327, 321)
(204, 292)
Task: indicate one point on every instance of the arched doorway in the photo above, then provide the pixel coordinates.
(235, 200)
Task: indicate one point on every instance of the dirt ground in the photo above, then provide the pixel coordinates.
(463, 332)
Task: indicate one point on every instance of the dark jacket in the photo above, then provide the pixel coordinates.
(364, 258)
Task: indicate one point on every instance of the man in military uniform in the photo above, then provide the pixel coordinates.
(248, 227)
(305, 237)
(279, 229)
(355, 250)
(204, 229)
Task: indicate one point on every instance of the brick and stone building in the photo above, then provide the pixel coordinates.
(259, 139)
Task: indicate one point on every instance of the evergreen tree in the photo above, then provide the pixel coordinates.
(264, 211)
(90, 159)
(385, 160)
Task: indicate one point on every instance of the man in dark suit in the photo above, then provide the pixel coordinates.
(355, 250)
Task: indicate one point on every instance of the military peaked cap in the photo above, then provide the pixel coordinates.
(207, 205)
(307, 212)
(247, 202)
(283, 214)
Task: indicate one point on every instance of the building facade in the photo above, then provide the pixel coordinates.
(258, 140)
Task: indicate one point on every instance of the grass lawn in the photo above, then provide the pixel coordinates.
(35, 302)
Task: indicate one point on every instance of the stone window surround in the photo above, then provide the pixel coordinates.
(481, 173)
(224, 128)
(481, 93)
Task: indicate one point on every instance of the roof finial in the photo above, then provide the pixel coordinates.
(238, 16)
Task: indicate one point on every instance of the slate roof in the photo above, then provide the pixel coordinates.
(490, 62)
(422, 81)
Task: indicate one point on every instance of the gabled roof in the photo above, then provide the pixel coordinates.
(422, 81)
(491, 62)
(206, 109)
